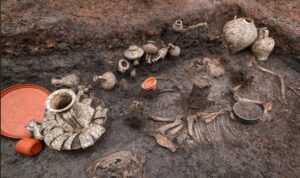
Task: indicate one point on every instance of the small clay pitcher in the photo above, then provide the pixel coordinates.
(107, 80)
(67, 81)
(264, 45)
(239, 33)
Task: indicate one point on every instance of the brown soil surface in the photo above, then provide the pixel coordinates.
(54, 38)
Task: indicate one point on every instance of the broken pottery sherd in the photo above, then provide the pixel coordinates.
(107, 80)
(134, 53)
(68, 119)
(264, 45)
(239, 33)
(67, 81)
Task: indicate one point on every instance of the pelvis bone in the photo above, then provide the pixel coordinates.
(70, 123)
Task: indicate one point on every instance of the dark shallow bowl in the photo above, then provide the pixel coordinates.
(247, 112)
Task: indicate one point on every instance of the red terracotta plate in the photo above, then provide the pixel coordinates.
(20, 104)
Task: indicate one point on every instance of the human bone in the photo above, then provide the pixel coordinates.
(67, 81)
(239, 33)
(264, 45)
(67, 119)
(107, 80)
(164, 141)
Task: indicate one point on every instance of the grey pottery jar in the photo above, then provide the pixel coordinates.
(264, 45)
(239, 33)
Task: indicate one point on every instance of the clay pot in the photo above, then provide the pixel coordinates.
(107, 80)
(134, 53)
(70, 123)
(239, 34)
(149, 84)
(123, 65)
(150, 50)
(264, 45)
(177, 26)
(174, 50)
(29, 146)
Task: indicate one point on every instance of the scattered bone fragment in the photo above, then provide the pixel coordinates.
(190, 121)
(164, 141)
(176, 129)
(120, 164)
(161, 119)
(165, 128)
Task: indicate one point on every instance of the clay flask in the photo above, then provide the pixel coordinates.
(264, 45)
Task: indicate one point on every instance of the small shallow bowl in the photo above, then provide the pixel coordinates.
(247, 112)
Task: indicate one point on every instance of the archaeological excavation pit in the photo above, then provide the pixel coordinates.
(41, 40)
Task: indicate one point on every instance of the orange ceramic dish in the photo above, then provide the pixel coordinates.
(149, 84)
(29, 146)
(19, 105)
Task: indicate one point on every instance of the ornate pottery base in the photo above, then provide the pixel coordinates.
(70, 122)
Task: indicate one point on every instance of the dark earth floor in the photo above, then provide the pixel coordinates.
(266, 149)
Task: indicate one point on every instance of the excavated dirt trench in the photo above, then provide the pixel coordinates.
(265, 149)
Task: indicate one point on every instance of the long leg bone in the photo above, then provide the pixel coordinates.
(164, 128)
